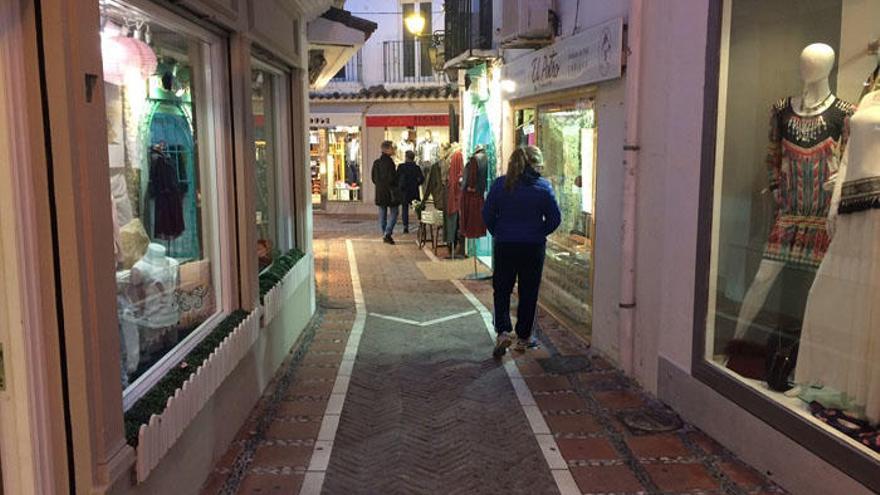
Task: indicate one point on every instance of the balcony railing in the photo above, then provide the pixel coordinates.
(468, 26)
(407, 61)
(352, 71)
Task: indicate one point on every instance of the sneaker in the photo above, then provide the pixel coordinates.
(501, 344)
(388, 240)
(524, 344)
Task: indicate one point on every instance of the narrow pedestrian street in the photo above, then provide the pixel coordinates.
(393, 390)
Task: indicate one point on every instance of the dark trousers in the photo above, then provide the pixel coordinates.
(522, 264)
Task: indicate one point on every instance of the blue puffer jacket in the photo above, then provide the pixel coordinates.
(527, 215)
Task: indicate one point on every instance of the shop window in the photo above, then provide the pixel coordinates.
(163, 183)
(336, 163)
(268, 102)
(794, 278)
(566, 135)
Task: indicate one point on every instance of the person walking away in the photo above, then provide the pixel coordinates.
(520, 212)
(385, 178)
(411, 177)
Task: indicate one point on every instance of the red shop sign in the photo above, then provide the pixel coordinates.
(408, 120)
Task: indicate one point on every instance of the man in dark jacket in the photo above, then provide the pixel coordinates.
(387, 190)
(411, 177)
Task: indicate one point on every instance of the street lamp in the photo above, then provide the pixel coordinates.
(415, 24)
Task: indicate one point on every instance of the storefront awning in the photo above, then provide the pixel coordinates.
(334, 38)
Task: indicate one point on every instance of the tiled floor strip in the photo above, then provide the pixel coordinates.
(317, 470)
(564, 480)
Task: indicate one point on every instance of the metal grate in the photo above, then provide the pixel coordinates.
(650, 420)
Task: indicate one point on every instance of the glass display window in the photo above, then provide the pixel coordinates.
(163, 150)
(336, 163)
(566, 134)
(794, 273)
(269, 90)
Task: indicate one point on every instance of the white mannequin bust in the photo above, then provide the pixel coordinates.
(153, 283)
(816, 63)
(863, 159)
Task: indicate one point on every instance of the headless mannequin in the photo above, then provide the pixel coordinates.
(153, 282)
(861, 161)
(816, 63)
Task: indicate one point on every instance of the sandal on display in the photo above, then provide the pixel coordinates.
(872, 440)
(840, 421)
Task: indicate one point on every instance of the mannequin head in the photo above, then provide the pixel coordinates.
(817, 61)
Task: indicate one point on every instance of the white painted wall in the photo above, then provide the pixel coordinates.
(671, 121)
(388, 15)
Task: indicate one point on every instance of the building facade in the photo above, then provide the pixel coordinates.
(694, 250)
(156, 233)
(390, 90)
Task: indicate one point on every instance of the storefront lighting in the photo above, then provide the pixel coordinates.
(415, 23)
(508, 85)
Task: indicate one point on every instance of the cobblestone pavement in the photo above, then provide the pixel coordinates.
(427, 411)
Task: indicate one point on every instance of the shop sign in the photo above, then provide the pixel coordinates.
(594, 55)
(439, 120)
(334, 119)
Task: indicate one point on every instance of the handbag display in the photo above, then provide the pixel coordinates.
(746, 358)
(782, 351)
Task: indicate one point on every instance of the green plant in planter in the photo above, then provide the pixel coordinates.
(277, 270)
(153, 402)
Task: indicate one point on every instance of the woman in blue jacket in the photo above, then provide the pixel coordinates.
(520, 212)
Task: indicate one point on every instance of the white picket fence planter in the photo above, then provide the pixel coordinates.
(274, 300)
(157, 437)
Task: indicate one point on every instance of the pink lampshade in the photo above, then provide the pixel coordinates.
(123, 55)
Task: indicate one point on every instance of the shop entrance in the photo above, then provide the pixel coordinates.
(566, 133)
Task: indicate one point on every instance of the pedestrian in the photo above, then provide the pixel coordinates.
(411, 177)
(385, 178)
(520, 212)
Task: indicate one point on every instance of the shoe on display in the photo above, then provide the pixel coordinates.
(502, 342)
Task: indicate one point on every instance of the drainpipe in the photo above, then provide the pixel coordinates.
(626, 342)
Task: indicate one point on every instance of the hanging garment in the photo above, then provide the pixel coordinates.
(435, 188)
(802, 158)
(472, 225)
(168, 122)
(840, 341)
(453, 183)
(165, 192)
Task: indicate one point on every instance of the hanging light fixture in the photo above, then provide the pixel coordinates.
(415, 23)
(126, 57)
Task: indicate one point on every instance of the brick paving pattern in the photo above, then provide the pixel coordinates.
(428, 412)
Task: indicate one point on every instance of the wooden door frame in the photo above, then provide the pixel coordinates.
(34, 441)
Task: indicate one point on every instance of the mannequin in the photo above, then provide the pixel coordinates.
(352, 158)
(171, 165)
(473, 188)
(435, 184)
(807, 138)
(427, 152)
(406, 144)
(148, 302)
(840, 343)
(152, 285)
